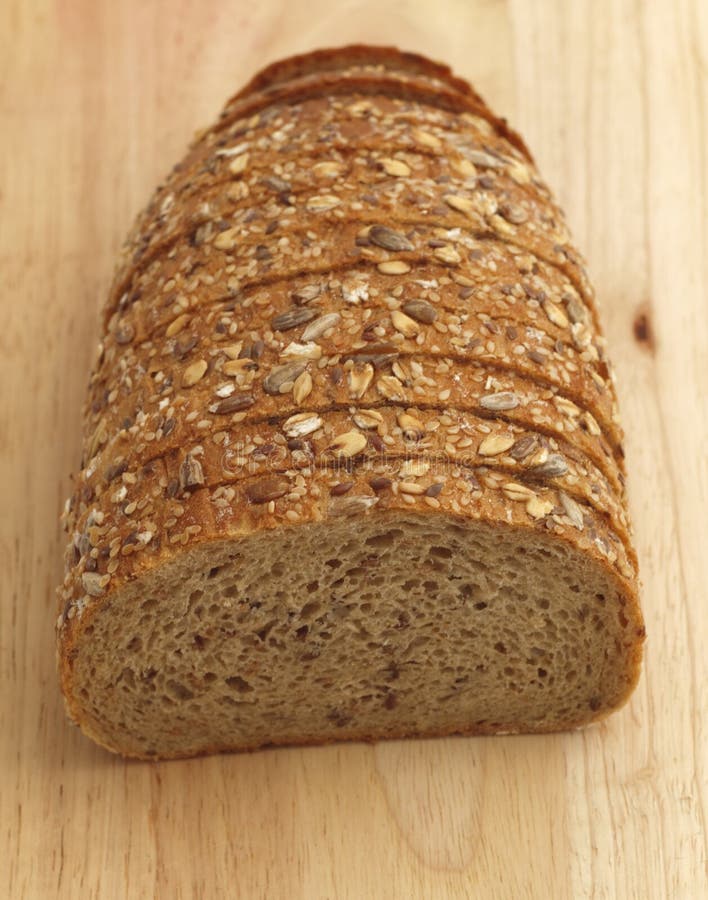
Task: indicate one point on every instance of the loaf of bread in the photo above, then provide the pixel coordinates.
(352, 464)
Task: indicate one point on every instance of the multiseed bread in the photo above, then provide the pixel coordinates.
(352, 464)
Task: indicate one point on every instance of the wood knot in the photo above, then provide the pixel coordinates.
(644, 331)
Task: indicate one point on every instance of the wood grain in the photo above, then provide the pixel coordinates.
(97, 100)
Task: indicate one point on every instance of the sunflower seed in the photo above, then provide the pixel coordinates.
(463, 167)
(306, 293)
(348, 444)
(176, 325)
(426, 139)
(94, 584)
(519, 172)
(461, 204)
(327, 169)
(322, 202)
(342, 488)
(277, 378)
(302, 387)
(368, 418)
(499, 402)
(513, 213)
(554, 467)
(413, 429)
(591, 424)
(395, 167)
(576, 311)
(581, 335)
(401, 322)
(515, 491)
(317, 328)
(410, 487)
(378, 354)
(447, 255)
(267, 489)
(555, 314)
(191, 475)
(572, 510)
(524, 447)
(388, 238)
(485, 160)
(393, 267)
(494, 444)
(277, 184)
(414, 467)
(226, 240)
(232, 404)
(237, 150)
(116, 470)
(233, 351)
(297, 350)
(124, 333)
(351, 506)
(538, 508)
(291, 318)
(390, 387)
(194, 373)
(225, 390)
(238, 165)
(355, 291)
(302, 424)
(237, 366)
(360, 379)
(184, 345)
(421, 311)
(567, 407)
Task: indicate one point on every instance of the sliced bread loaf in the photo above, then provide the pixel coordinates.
(352, 466)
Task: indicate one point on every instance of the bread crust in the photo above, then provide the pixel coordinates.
(353, 56)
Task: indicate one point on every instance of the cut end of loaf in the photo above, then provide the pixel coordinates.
(403, 626)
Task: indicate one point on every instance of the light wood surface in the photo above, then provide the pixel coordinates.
(97, 100)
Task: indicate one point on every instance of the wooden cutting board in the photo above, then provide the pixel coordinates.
(97, 100)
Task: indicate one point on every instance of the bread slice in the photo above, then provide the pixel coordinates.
(378, 335)
(353, 466)
(309, 438)
(249, 622)
(495, 280)
(215, 400)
